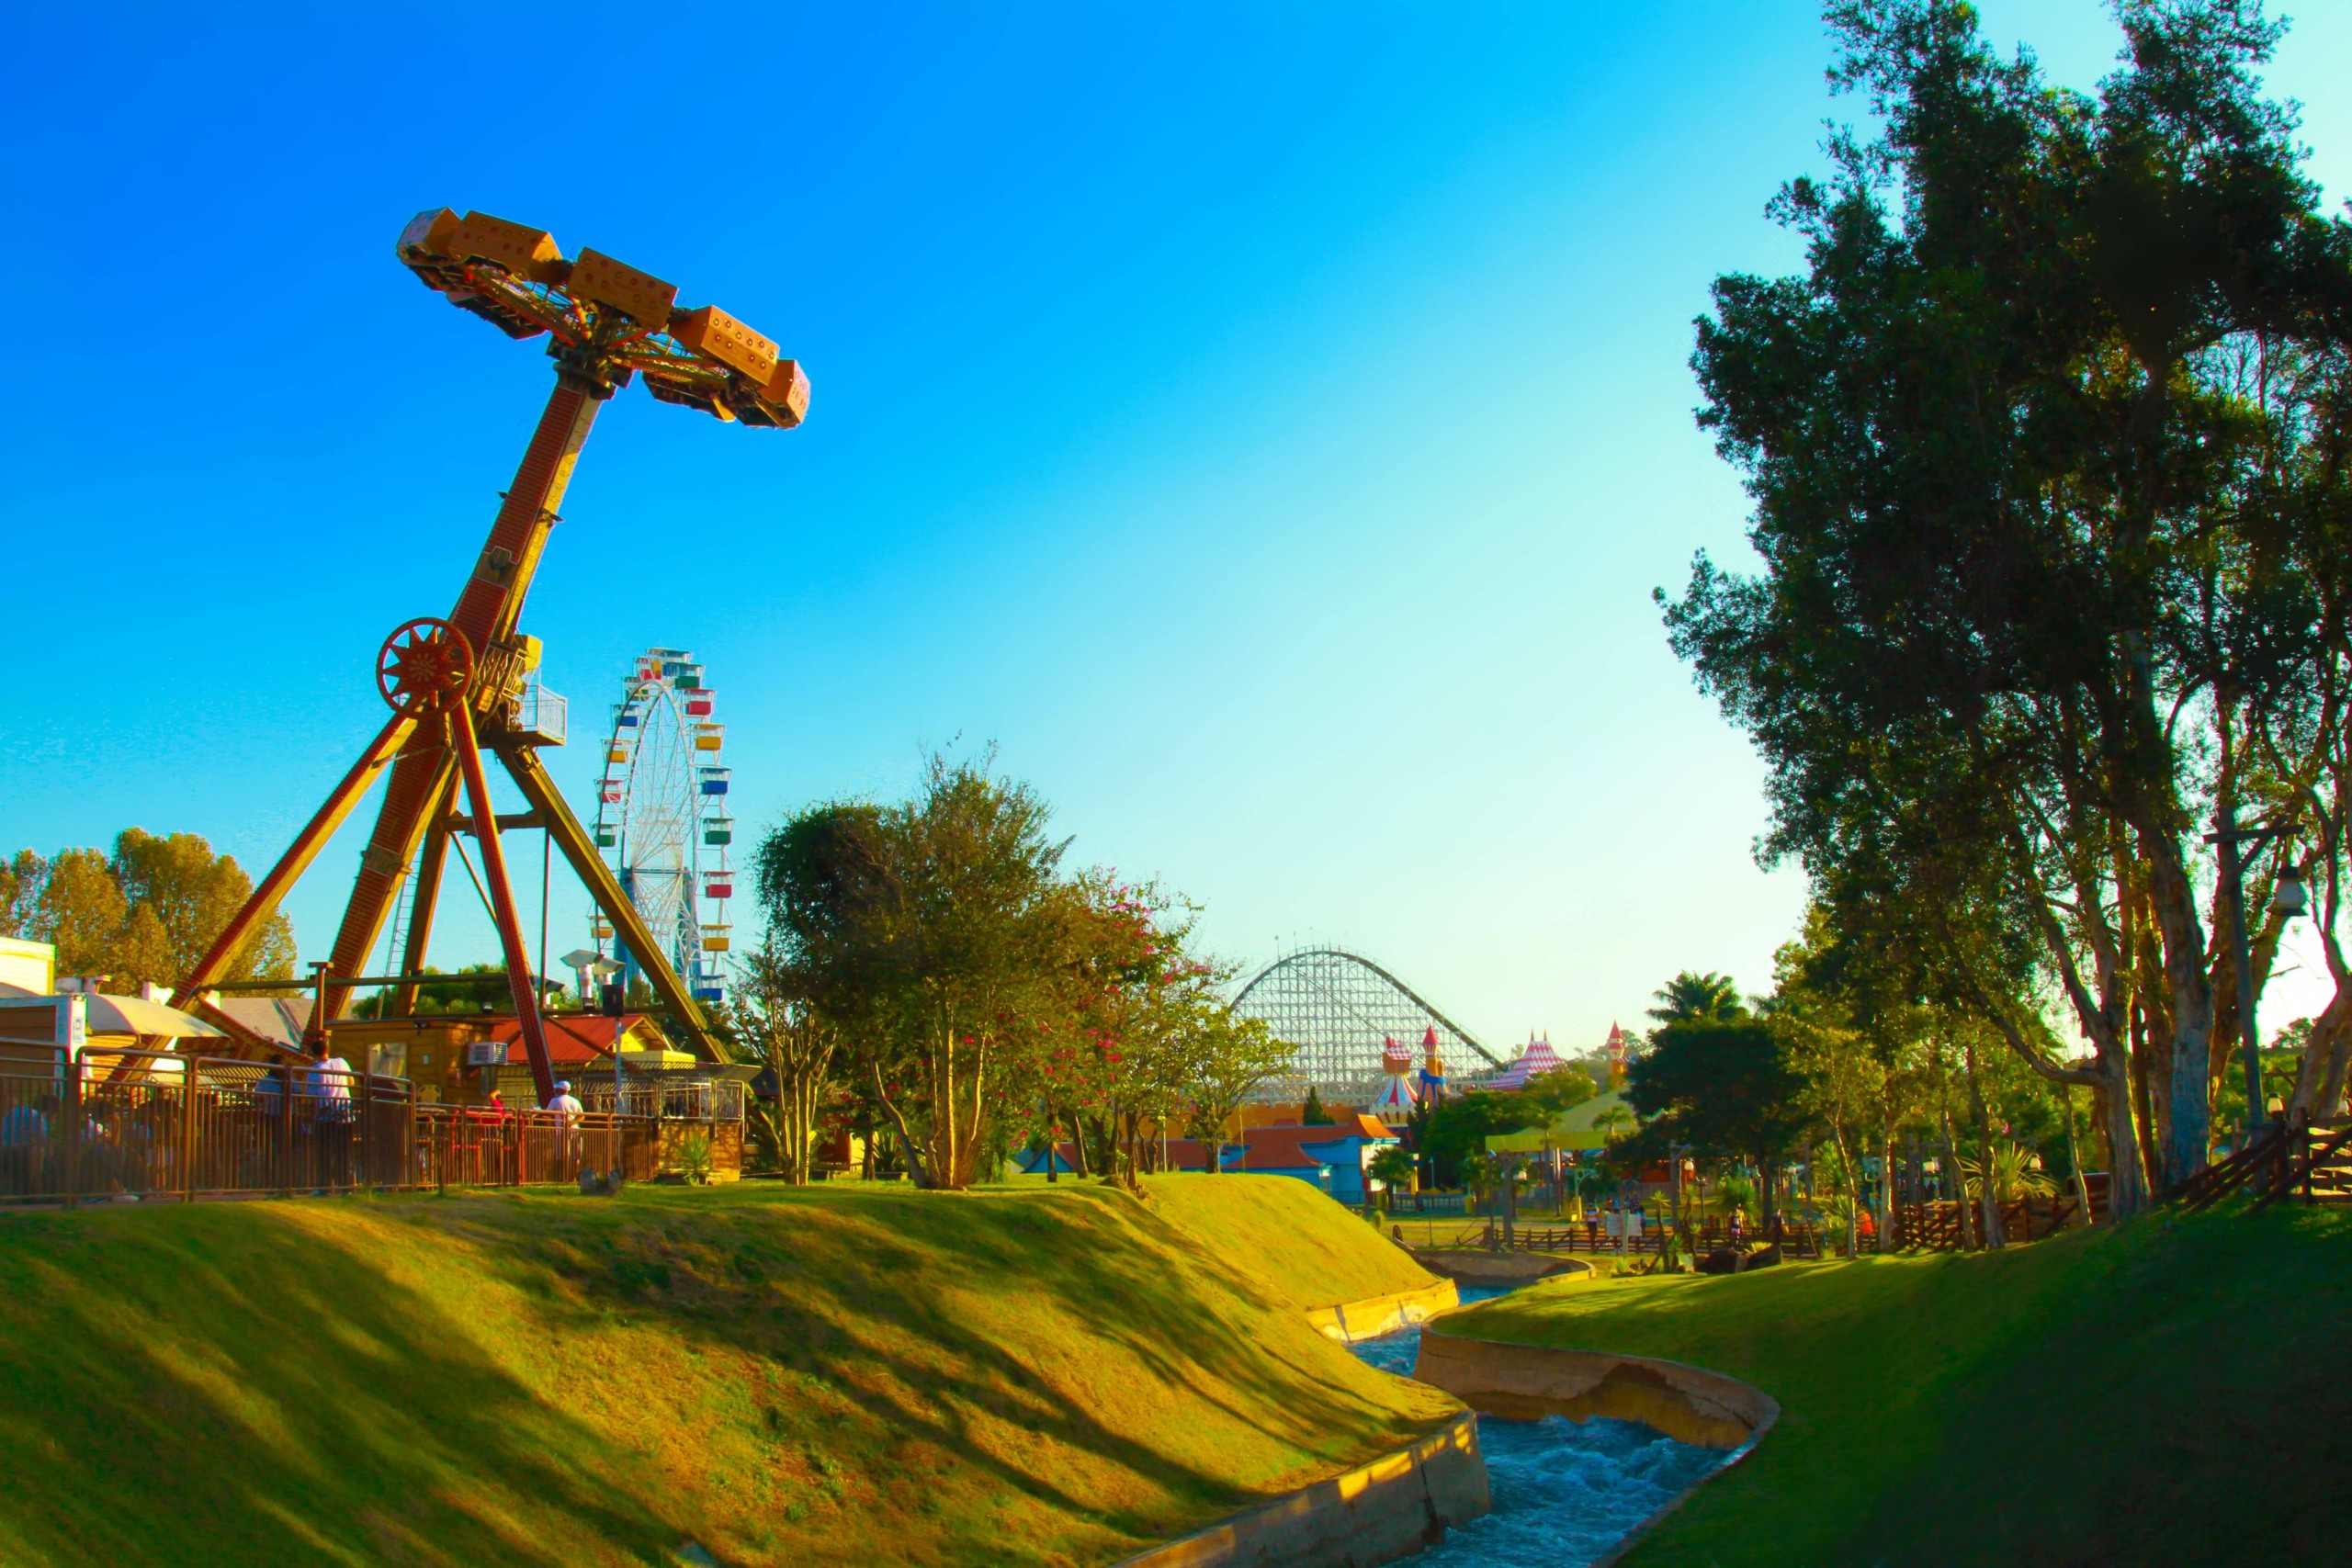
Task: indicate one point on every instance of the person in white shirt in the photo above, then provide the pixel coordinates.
(566, 1111)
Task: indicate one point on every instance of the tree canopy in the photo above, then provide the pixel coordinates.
(145, 913)
(934, 957)
(2045, 448)
(1689, 994)
(1716, 1088)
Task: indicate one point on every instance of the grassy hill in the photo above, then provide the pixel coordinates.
(831, 1375)
(2173, 1392)
(1315, 1254)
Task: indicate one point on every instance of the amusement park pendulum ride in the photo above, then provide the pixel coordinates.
(661, 819)
(461, 686)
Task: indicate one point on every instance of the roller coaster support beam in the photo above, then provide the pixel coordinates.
(572, 841)
(223, 956)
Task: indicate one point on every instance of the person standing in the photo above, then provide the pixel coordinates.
(23, 1143)
(568, 1111)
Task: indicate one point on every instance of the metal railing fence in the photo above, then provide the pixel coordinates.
(460, 1146)
(107, 1124)
(666, 1097)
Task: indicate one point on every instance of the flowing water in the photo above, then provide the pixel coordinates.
(1564, 1492)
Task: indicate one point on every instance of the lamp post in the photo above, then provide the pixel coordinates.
(2288, 900)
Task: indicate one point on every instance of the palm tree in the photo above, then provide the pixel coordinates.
(1612, 1122)
(1689, 996)
(2015, 1172)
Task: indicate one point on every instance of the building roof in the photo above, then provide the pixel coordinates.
(1294, 1148)
(586, 1039)
(1282, 1148)
(1187, 1154)
(1538, 1058)
(278, 1019)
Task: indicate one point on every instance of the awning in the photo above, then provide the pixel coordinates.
(130, 1015)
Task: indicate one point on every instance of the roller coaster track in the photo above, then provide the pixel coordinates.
(1338, 1009)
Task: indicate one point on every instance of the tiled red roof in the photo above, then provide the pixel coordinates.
(1284, 1148)
(573, 1041)
(1187, 1154)
(1279, 1148)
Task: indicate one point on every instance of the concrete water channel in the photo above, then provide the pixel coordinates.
(1567, 1493)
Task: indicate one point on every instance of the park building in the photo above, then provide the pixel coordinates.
(1334, 1159)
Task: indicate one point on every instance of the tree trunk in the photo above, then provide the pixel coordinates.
(1988, 1200)
(2319, 1078)
(907, 1149)
(1887, 1190)
(2189, 1137)
(1954, 1173)
(1511, 1202)
(1853, 1189)
(2074, 1160)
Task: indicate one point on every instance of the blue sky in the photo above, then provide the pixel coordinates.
(1264, 424)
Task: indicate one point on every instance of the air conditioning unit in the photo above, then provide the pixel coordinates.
(485, 1054)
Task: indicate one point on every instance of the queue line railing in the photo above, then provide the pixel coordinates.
(105, 1123)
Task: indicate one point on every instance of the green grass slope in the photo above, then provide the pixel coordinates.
(2175, 1392)
(1315, 1253)
(824, 1376)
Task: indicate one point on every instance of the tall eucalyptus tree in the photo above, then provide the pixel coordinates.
(2030, 555)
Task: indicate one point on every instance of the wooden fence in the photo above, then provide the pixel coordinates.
(1936, 1226)
(2302, 1159)
(112, 1124)
(1797, 1238)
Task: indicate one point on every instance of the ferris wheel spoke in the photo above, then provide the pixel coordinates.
(662, 823)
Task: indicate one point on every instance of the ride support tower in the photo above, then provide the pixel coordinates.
(457, 687)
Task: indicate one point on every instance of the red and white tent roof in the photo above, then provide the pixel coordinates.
(1538, 1058)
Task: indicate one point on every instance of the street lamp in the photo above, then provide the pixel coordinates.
(2292, 898)
(586, 962)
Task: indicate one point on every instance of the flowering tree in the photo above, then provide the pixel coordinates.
(925, 935)
(1125, 980)
(1225, 1057)
(933, 955)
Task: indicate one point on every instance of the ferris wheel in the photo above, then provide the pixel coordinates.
(662, 822)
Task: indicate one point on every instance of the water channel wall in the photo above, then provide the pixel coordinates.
(1509, 1269)
(1526, 1383)
(1371, 1318)
(1379, 1512)
(1375, 1513)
